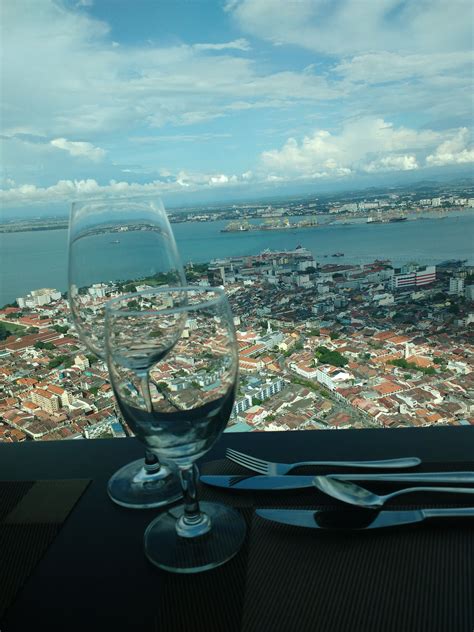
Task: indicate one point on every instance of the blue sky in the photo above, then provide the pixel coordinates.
(188, 98)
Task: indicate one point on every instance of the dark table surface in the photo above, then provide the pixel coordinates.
(95, 575)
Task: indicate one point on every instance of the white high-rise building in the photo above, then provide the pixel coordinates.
(469, 292)
(456, 286)
(412, 275)
(42, 296)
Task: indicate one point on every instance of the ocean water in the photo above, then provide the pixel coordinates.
(39, 259)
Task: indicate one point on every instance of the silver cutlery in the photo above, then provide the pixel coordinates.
(354, 494)
(268, 483)
(358, 520)
(268, 467)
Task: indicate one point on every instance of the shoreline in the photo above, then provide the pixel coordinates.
(39, 258)
(332, 220)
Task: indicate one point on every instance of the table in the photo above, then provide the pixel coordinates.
(94, 575)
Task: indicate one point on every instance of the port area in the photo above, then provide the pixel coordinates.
(273, 224)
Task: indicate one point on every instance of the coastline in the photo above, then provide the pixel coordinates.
(39, 258)
(319, 219)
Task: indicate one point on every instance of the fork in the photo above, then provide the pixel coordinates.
(273, 469)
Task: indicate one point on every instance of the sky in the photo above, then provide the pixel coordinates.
(196, 98)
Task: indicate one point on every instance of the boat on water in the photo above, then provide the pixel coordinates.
(115, 241)
(371, 220)
(390, 220)
(338, 254)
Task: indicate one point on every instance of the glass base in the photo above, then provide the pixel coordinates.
(171, 552)
(136, 488)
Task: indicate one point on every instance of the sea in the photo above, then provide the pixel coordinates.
(37, 259)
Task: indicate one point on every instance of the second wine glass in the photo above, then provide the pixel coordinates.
(118, 246)
(180, 408)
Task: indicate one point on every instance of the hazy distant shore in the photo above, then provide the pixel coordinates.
(323, 218)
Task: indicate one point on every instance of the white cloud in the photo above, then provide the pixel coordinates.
(67, 190)
(79, 149)
(238, 44)
(366, 144)
(392, 163)
(83, 84)
(353, 26)
(453, 151)
(389, 58)
(384, 67)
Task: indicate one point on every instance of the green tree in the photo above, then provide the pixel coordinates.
(55, 362)
(411, 366)
(61, 329)
(326, 356)
(44, 345)
(59, 360)
(4, 331)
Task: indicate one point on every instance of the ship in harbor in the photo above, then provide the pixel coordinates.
(388, 220)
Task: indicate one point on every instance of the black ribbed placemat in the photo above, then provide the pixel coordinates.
(414, 579)
(411, 580)
(31, 515)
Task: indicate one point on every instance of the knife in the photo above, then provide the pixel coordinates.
(257, 482)
(358, 519)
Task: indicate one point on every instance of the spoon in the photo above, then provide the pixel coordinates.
(356, 495)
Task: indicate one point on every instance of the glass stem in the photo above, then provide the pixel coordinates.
(193, 522)
(145, 388)
(152, 464)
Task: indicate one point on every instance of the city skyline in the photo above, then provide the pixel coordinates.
(217, 100)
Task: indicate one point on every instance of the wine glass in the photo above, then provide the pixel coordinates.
(117, 246)
(180, 411)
